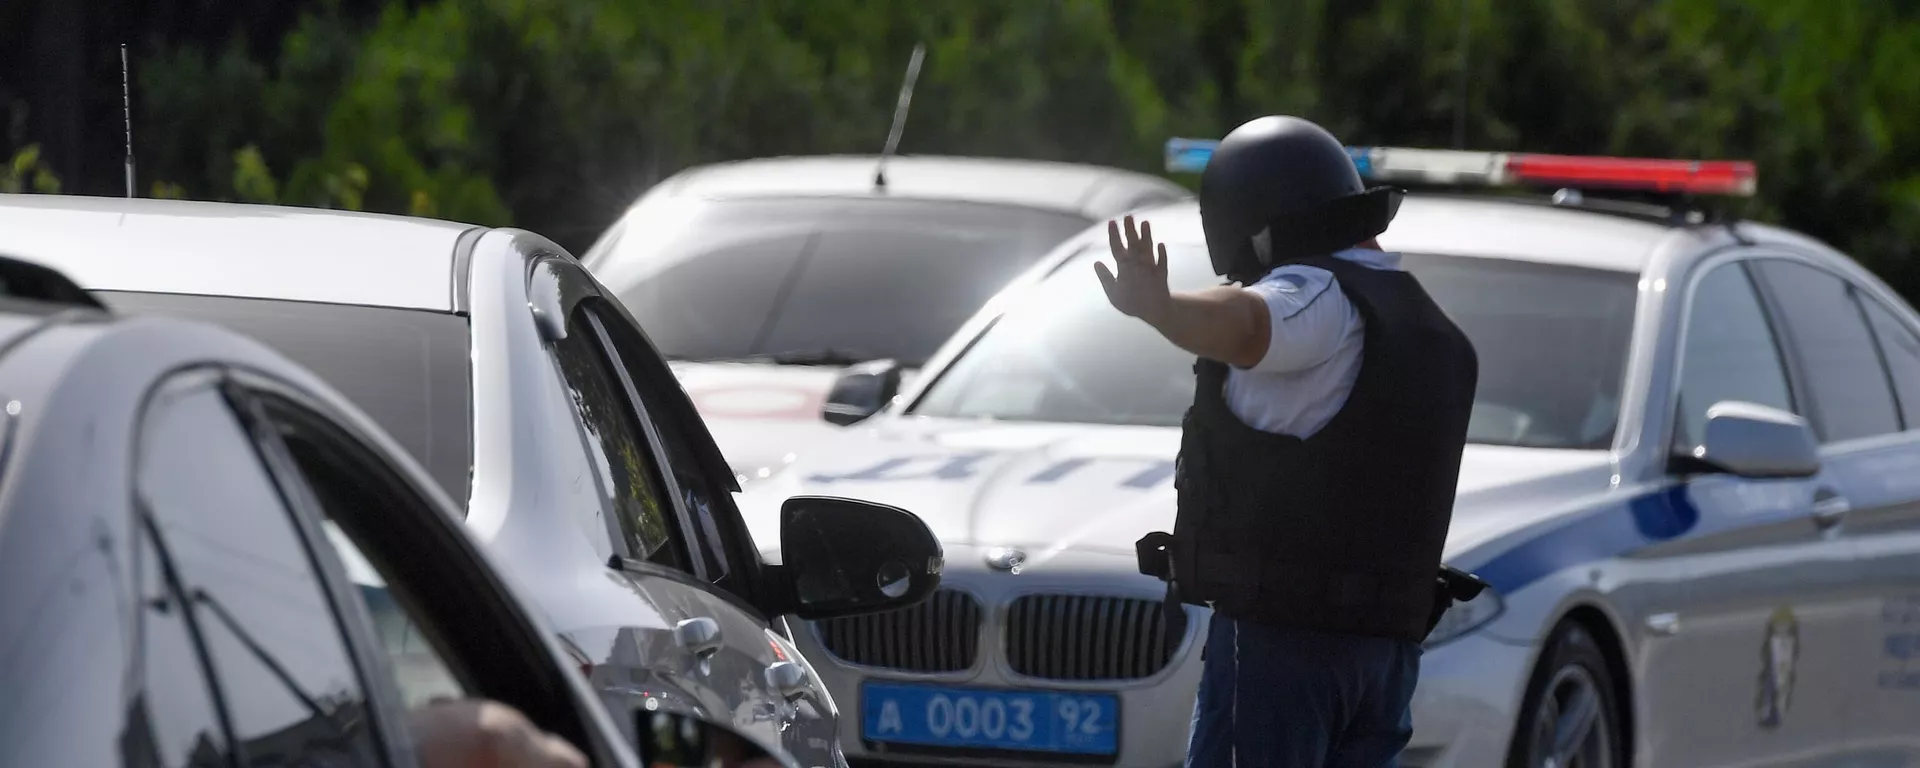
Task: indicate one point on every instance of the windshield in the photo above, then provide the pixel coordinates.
(406, 369)
(824, 281)
(1551, 340)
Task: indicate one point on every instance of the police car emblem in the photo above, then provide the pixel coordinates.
(1006, 559)
(1778, 652)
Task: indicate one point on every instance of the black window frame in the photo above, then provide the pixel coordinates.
(459, 585)
(1798, 369)
(650, 383)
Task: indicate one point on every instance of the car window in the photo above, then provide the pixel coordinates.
(627, 475)
(1847, 387)
(1901, 349)
(171, 720)
(1728, 353)
(867, 278)
(1551, 341)
(253, 596)
(701, 492)
(406, 368)
(339, 477)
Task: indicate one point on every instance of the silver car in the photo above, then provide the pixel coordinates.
(541, 408)
(762, 279)
(1693, 483)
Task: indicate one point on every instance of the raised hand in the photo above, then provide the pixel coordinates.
(1138, 287)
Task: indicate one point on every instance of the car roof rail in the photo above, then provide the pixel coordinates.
(21, 279)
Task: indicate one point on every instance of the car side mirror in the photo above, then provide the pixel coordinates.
(842, 557)
(1755, 441)
(675, 740)
(861, 391)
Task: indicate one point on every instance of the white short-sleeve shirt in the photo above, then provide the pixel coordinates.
(1313, 356)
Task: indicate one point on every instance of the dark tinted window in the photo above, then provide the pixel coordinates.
(1902, 351)
(1551, 341)
(1728, 353)
(280, 659)
(171, 720)
(862, 277)
(1849, 396)
(627, 475)
(406, 368)
(702, 492)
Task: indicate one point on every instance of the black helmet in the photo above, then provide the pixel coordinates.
(1293, 178)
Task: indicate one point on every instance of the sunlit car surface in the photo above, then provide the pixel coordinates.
(761, 279)
(1655, 595)
(168, 595)
(534, 401)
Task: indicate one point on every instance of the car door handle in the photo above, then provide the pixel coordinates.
(1829, 507)
(699, 635)
(787, 678)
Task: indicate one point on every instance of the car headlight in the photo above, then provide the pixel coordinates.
(1466, 617)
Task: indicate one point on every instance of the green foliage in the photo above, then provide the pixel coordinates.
(26, 172)
(556, 114)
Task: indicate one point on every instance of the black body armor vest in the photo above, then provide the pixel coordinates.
(1341, 531)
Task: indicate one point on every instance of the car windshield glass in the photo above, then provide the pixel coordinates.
(1551, 340)
(822, 281)
(407, 369)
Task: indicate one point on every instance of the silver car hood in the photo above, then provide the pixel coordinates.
(1097, 488)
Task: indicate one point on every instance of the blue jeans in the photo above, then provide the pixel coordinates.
(1278, 697)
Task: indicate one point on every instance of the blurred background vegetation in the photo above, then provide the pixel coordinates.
(555, 114)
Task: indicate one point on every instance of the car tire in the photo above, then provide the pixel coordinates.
(1570, 715)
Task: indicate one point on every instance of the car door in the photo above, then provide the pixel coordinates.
(1861, 361)
(287, 685)
(1751, 668)
(438, 618)
(736, 665)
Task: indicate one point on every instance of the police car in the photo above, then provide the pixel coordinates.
(762, 279)
(1693, 483)
(536, 403)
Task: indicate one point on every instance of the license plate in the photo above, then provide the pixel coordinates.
(982, 718)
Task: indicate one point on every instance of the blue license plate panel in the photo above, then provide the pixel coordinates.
(955, 717)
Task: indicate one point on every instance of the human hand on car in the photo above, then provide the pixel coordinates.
(477, 733)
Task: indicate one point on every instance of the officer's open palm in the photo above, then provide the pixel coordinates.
(1138, 284)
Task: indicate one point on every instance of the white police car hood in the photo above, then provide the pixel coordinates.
(760, 414)
(1097, 488)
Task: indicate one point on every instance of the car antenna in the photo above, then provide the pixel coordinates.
(899, 115)
(126, 114)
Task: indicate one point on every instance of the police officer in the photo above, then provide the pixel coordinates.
(1318, 461)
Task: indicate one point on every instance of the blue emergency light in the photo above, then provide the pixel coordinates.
(1501, 169)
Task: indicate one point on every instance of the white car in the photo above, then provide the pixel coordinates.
(762, 279)
(1684, 573)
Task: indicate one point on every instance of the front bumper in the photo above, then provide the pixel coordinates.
(1155, 712)
(1463, 711)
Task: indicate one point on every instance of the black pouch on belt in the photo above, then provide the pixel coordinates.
(1452, 585)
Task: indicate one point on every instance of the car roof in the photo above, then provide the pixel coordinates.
(1091, 191)
(229, 249)
(1481, 226)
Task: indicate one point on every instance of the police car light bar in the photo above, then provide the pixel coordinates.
(1504, 169)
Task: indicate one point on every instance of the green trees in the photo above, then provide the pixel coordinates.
(555, 114)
